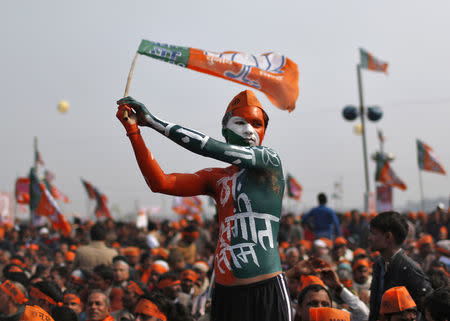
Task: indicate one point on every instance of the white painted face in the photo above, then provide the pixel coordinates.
(241, 127)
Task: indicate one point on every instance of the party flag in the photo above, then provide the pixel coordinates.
(89, 189)
(56, 193)
(386, 175)
(294, 188)
(23, 190)
(101, 209)
(370, 62)
(187, 205)
(273, 74)
(428, 161)
(42, 203)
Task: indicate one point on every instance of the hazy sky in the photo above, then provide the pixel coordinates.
(81, 51)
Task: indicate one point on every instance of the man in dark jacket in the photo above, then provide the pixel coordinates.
(393, 268)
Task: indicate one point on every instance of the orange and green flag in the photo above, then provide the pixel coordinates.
(42, 203)
(101, 209)
(370, 62)
(428, 160)
(273, 74)
(386, 175)
(294, 189)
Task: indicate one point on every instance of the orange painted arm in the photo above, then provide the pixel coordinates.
(172, 184)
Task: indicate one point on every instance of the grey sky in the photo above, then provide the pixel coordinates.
(81, 51)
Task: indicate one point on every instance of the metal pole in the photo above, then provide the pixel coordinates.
(422, 203)
(363, 129)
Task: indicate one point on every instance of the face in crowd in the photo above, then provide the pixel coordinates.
(313, 299)
(97, 307)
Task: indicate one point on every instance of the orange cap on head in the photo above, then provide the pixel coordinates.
(131, 251)
(306, 280)
(189, 274)
(69, 256)
(306, 243)
(427, 239)
(395, 300)
(359, 251)
(148, 308)
(328, 314)
(361, 262)
(327, 241)
(340, 241)
(245, 98)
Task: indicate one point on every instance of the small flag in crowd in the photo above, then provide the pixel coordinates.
(294, 188)
(187, 206)
(370, 62)
(101, 209)
(42, 203)
(56, 193)
(428, 161)
(89, 189)
(271, 73)
(23, 190)
(387, 176)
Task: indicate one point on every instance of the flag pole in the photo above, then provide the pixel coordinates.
(35, 146)
(422, 202)
(363, 130)
(127, 87)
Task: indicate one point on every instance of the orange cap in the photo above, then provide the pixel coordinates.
(340, 241)
(69, 256)
(395, 300)
(159, 268)
(421, 214)
(189, 274)
(245, 98)
(306, 243)
(284, 245)
(412, 215)
(427, 239)
(148, 308)
(328, 314)
(73, 247)
(359, 251)
(361, 262)
(328, 242)
(131, 251)
(306, 280)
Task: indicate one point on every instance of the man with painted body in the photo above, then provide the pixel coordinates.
(248, 194)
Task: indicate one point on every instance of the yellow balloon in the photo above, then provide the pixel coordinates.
(357, 129)
(63, 106)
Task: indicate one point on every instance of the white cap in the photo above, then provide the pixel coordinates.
(320, 243)
(43, 230)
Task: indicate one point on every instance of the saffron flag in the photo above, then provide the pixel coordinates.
(56, 193)
(370, 62)
(387, 176)
(187, 206)
(101, 209)
(42, 203)
(294, 189)
(89, 189)
(23, 190)
(271, 73)
(428, 161)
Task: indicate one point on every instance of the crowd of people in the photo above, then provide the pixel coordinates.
(248, 263)
(114, 271)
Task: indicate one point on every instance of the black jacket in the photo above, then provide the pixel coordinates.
(402, 271)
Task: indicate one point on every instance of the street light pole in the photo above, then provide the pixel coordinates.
(363, 135)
